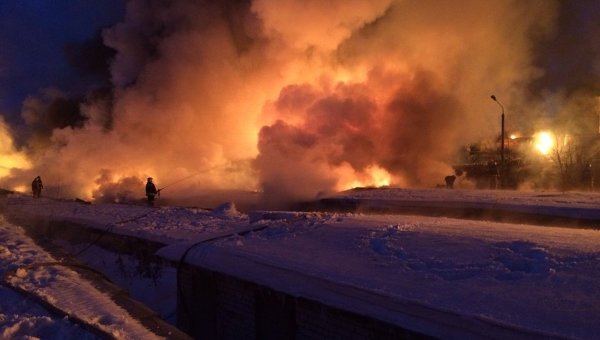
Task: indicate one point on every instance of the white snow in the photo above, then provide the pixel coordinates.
(29, 268)
(542, 279)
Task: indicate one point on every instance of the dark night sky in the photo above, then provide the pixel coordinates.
(33, 38)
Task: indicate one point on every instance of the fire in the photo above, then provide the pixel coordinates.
(544, 142)
(373, 176)
(20, 188)
(115, 186)
(10, 158)
(380, 177)
(13, 161)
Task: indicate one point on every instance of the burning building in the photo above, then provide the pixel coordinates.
(562, 157)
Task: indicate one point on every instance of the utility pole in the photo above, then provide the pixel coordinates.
(502, 165)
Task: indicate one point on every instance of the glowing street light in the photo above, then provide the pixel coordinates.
(502, 144)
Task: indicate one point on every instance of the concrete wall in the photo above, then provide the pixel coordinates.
(213, 305)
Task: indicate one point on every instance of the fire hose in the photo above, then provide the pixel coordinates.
(188, 177)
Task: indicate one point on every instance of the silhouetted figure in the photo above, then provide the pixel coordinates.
(450, 181)
(36, 187)
(494, 174)
(151, 191)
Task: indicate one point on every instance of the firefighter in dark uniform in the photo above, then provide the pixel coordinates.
(151, 191)
(36, 186)
(450, 181)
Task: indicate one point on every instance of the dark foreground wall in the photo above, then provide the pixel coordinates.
(213, 305)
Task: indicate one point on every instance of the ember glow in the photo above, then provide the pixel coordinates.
(291, 98)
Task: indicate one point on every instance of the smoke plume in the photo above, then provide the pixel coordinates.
(293, 98)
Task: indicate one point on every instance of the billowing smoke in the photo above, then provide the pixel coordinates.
(400, 93)
(90, 58)
(292, 97)
(49, 111)
(341, 132)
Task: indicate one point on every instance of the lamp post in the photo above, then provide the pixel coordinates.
(502, 169)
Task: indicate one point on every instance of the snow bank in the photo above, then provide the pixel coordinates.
(538, 279)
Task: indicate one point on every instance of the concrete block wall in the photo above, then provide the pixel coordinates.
(214, 305)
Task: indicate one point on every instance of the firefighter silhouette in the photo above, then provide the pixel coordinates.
(494, 174)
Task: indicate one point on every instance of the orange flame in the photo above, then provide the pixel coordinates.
(372, 176)
(10, 158)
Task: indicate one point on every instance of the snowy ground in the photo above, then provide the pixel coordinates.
(28, 268)
(544, 280)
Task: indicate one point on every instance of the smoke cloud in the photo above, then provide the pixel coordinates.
(293, 98)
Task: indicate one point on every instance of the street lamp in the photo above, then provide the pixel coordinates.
(501, 145)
